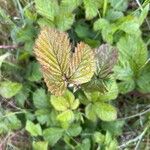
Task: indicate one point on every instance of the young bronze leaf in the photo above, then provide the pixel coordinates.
(106, 57)
(82, 65)
(52, 50)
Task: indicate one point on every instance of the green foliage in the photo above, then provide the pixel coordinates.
(52, 135)
(40, 145)
(93, 56)
(9, 89)
(33, 129)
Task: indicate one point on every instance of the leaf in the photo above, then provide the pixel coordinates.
(130, 27)
(105, 112)
(47, 8)
(133, 49)
(22, 96)
(91, 9)
(33, 72)
(82, 64)
(113, 15)
(120, 5)
(64, 20)
(85, 145)
(143, 80)
(66, 116)
(111, 91)
(114, 127)
(59, 103)
(2, 58)
(90, 112)
(99, 24)
(52, 50)
(33, 129)
(40, 99)
(106, 57)
(43, 116)
(9, 89)
(143, 14)
(74, 130)
(64, 102)
(70, 5)
(52, 135)
(8, 122)
(40, 145)
(99, 137)
(75, 104)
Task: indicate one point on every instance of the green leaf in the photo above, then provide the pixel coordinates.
(33, 129)
(40, 145)
(66, 116)
(91, 9)
(8, 122)
(74, 130)
(111, 91)
(22, 96)
(120, 5)
(64, 20)
(59, 103)
(99, 137)
(40, 99)
(85, 145)
(105, 89)
(43, 116)
(143, 14)
(52, 135)
(143, 80)
(99, 24)
(90, 112)
(113, 15)
(47, 8)
(2, 58)
(9, 89)
(75, 104)
(70, 5)
(114, 127)
(105, 112)
(33, 72)
(133, 49)
(130, 27)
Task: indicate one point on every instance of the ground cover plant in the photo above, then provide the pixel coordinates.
(74, 75)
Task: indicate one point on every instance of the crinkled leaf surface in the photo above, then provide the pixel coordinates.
(47, 8)
(91, 8)
(106, 57)
(82, 64)
(52, 50)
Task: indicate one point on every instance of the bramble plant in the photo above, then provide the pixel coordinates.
(75, 72)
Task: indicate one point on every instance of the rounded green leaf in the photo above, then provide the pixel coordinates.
(9, 89)
(52, 135)
(66, 116)
(105, 112)
(59, 103)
